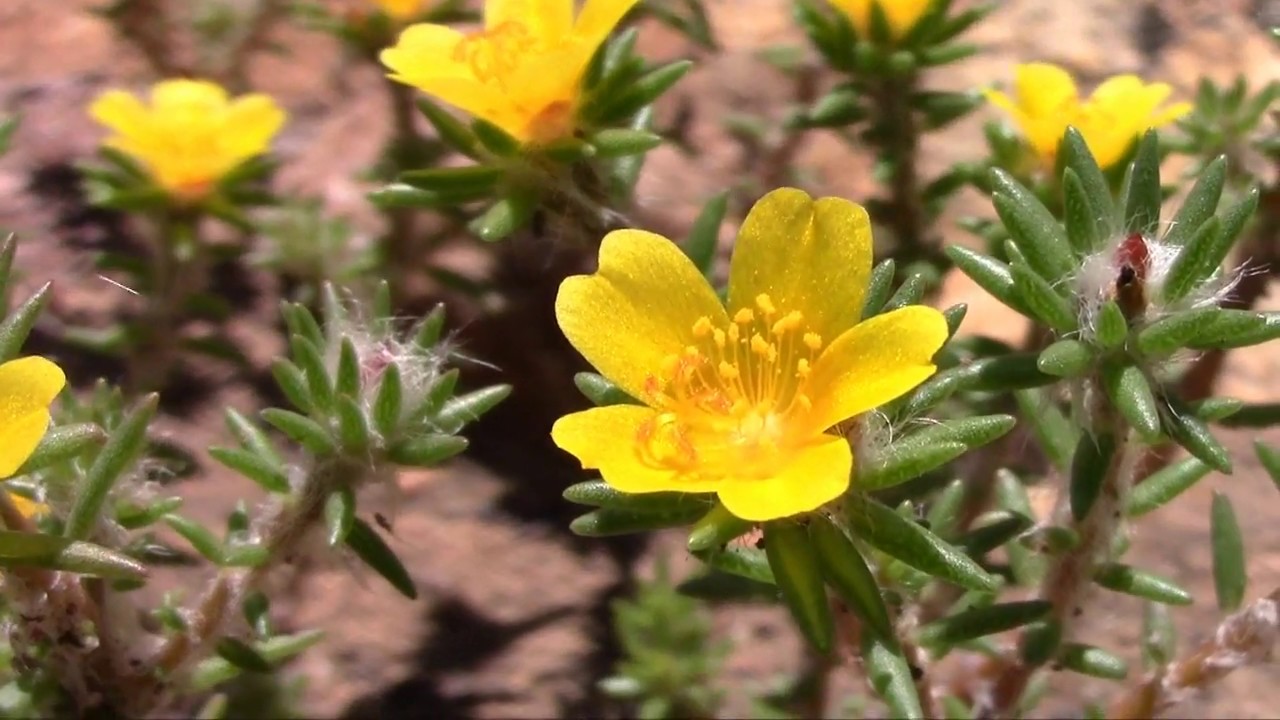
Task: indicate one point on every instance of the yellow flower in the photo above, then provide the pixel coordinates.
(522, 72)
(400, 10)
(191, 134)
(741, 400)
(901, 14)
(1120, 109)
(27, 388)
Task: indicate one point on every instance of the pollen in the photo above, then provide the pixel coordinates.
(734, 399)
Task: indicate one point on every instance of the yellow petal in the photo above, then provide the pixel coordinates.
(875, 362)
(637, 309)
(814, 257)
(120, 111)
(27, 387)
(546, 20)
(604, 439)
(182, 95)
(1044, 89)
(252, 120)
(1171, 113)
(598, 18)
(425, 50)
(816, 475)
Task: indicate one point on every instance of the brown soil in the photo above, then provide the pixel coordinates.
(513, 619)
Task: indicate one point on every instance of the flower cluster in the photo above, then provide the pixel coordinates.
(1046, 102)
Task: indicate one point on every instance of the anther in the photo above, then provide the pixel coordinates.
(788, 322)
(813, 340)
(744, 316)
(728, 371)
(759, 345)
(765, 304)
(802, 368)
(718, 336)
(702, 327)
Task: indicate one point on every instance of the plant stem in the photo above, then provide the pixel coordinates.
(1245, 638)
(176, 274)
(1069, 580)
(402, 254)
(899, 139)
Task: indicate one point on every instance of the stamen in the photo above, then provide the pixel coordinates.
(765, 304)
(802, 369)
(729, 372)
(744, 316)
(813, 340)
(788, 322)
(702, 327)
(759, 345)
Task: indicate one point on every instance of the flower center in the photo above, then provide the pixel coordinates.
(495, 53)
(729, 403)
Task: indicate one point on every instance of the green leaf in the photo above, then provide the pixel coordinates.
(944, 511)
(270, 476)
(704, 236)
(988, 273)
(889, 673)
(644, 91)
(426, 450)
(996, 529)
(1132, 581)
(200, 537)
(905, 460)
(796, 571)
(301, 429)
(1169, 334)
(1229, 574)
(879, 286)
(368, 545)
(1092, 661)
(1112, 328)
(601, 391)
(310, 361)
(353, 425)
(930, 393)
(1129, 391)
(504, 217)
(463, 410)
(910, 292)
(1003, 373)
(339, 514)
(242, 655)
(388, 403)
(983, 621)
(1159, 637)
(1142, 202)
(847, 573)
(1215, 409)
(1191, 433)
(119, 452)
(1089, 471)
(251, 437)
(495, 139)
(1077, 156)
(1079, 214)
(347, 379)
(1165, 484)
(449, 129)
(894, 535)
(1040, 642)
(18, 323)
(716, 529)
(619, 142)
(1066, 358)
(467, 180)
(22, 549)
(1011, 495)
(62, 443)
(608, 521)
(1045, 304)
(427, 334)
(1032, 227)
(746, 562)
(214, 671)
(1236, 328)
(293, 384)
(1056, 434)
(1200, 258)
(600, 494)
(1254, 415)
(1270, 459)
(1200, 203)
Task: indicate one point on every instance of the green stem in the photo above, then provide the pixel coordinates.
(402, 253)
(900, 142)
(177, 272)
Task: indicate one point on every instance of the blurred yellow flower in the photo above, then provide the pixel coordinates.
(1119, 111)
(191, 134)
(522, 72)
(27, 387)
(740, 400)
(400, 10)
(901, 14)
